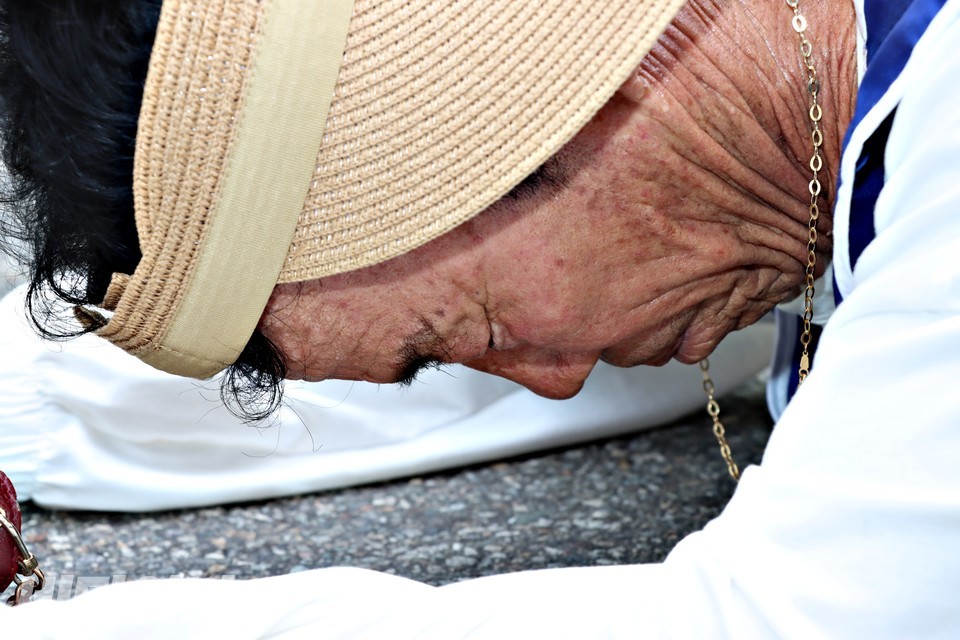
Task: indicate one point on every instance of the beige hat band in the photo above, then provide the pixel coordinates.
(220, 183)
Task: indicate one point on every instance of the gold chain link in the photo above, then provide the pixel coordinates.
(816, 164)
(799, 23)
(713, 408)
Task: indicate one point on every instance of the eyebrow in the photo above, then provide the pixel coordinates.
(419, 353)
(548, 175)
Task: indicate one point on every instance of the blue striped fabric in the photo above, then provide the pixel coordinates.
(893, 29)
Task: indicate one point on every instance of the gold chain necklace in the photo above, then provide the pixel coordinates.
(799, 23)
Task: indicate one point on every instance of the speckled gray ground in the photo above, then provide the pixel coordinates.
(625, 500)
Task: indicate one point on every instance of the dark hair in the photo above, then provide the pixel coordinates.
(71, 80)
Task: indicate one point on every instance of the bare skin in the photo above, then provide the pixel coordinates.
(677, 215)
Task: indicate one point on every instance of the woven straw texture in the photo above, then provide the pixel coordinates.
(182, 146)
(442, 106)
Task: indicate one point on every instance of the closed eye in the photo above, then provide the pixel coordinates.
(412, 367)
(422, 351)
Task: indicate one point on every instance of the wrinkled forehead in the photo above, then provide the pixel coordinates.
(287, 140)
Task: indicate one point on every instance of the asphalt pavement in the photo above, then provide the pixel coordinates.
(624, 500)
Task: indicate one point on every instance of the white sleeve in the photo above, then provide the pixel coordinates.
(340, 604)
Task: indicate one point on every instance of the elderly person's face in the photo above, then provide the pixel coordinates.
(635, 247)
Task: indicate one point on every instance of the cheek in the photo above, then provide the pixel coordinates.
(555, 304)
(553, 282)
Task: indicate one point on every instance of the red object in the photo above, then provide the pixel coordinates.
(9, 553)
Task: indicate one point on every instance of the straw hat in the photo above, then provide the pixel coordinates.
(287, 140)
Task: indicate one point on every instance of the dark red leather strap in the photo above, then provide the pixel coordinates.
(9, 553)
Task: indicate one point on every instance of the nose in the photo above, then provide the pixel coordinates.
(546, 373)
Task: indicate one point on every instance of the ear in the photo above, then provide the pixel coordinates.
(635, 87)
